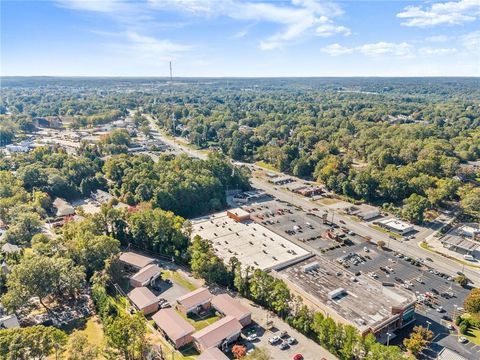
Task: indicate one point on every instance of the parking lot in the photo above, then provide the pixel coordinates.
(295, 224)
(440, 298)
(300, 345)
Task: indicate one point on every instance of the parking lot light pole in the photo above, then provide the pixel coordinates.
(388, 338)
(428, 325)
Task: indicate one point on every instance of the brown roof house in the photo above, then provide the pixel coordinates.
(144, 300)
(219, 334)
(176, 329)
(135, 261)
(145, 276)
(212, 354)
(228, 306)
(194, 301)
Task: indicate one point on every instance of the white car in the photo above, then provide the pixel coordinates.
(462, 339)
(252, 337)
(450, 327)
(273, 340)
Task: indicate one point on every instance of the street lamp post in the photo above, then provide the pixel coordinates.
(388, 338)
(428, 325)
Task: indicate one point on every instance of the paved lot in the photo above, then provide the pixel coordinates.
(410, 248)
(308, 348)
(405, 271)
(295, 224)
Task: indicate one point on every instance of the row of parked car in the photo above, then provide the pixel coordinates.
(284, 341)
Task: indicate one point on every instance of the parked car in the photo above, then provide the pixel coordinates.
(298, 357)
(283, 334)
(252, 337)
(274, 340)
(434, 291)
(284, 346)
(291, 341)
(462, 339)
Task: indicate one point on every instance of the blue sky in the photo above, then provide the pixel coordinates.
(240, 38)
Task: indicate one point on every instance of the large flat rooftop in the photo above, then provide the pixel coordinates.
(364, 302)
(251, 243)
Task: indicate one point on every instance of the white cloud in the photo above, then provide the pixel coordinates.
(471, 41)
(385, 48)
(147, 49)
(103, 6)
(297, 18)
(336, 49)
(437, 38)
(327, 30)
(451, 13)
(437, 51)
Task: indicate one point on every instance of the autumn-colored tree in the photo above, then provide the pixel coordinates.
(239, 351)
(472, 302)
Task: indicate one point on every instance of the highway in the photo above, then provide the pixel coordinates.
(175, 144)
(410, 248)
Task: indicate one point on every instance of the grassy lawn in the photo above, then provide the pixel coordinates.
(178, 278)
(473, 335)
(328, 201)
(265, 165)
(185, 353)
(200, 322)
(92, 327)
(379, 228)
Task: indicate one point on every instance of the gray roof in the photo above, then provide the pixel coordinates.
(173, 324)
(447, 354)
(10, 248)
(142, 297)
(147, 273)
(9, 322)
(136, 260)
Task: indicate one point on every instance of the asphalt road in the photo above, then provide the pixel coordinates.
(157, 133)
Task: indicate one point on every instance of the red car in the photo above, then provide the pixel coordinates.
(298, 357)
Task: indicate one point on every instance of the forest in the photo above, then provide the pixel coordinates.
(402, 143)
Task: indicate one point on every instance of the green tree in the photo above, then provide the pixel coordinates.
(414, 208)
(79, 348)
(470, 200)
(30, 343)
(25, 225)
(418, 340)
(205, 264)
(127, 337)
(42, 277)
(462, 280)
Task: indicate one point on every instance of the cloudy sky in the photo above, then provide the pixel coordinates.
(240, 38)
